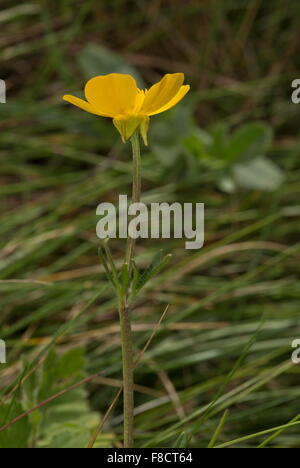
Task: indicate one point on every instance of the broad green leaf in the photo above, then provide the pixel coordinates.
(65, 436)
(248, 142)
(17, 435)
(197, 143)
(168, 132)
(258, 174)
(71, 363)
(219, 141)
(98, 60)
(66, 421)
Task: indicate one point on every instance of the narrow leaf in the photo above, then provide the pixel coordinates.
(218, 429)
(158, 263)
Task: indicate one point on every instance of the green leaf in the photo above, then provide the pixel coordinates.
(98, 60)
(197, 143)
(113, 268)
(65, 436)
(125, 277)
(71, 363)
(168, 133)
(136, 274)
(109, 276)
(258, 174)
(71, 435)
(218, 430)
(181, 441)
(17, 435)
(249, 141)
(57, 370)
(49, 376)
(67, 421)
(158, 263)
(109, 265)
(219, 141)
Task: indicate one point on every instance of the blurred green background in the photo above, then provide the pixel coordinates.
(233, 144)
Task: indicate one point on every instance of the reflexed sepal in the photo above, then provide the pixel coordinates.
(126, 126)
(144, 127)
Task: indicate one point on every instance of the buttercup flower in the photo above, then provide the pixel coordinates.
(118, 97)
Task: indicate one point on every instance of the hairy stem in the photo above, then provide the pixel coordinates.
(128, 381)
(125, 322)
(136, 190)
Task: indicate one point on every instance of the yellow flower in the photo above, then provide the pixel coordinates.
(118, 97)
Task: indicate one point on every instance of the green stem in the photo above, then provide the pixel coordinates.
(125, 322)
(128, 381)
(136, 190)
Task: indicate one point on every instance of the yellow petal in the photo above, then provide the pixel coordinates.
(81, 103)
(139, 101)
(113, 95)
(127, 125)
(161, 93)
(180, 95)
